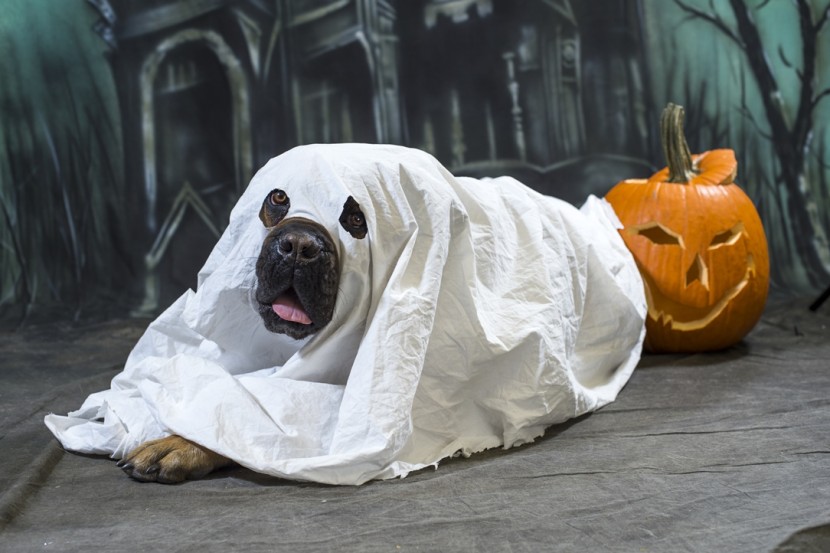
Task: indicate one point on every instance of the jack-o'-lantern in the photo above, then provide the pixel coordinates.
(699, 244)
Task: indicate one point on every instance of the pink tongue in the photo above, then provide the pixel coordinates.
(288, 308)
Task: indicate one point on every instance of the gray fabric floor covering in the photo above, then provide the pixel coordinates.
(718, 452)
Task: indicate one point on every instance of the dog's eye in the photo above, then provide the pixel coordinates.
(353, 220)
(278, 197)
(356, 220)
(274, 208)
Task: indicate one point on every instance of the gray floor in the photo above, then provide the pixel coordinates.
(719, 452)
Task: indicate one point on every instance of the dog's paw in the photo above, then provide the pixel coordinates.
(170, 460)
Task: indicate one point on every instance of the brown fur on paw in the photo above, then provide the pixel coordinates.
(170, 460)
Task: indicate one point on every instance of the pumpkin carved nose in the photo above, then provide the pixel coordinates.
(698, 272)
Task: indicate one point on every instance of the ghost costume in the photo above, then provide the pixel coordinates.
(473, 314)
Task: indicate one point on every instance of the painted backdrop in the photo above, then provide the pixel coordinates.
(128, 128)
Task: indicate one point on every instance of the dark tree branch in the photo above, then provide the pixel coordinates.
(783, 57)
(819, 97)
(822, 20)
(686, 19)
(791, 138)
(746, 112)
(715, 20)
(762, 5)
(804, 113)
(759, 64)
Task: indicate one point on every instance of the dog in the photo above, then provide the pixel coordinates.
(366, 314)
(297, 275)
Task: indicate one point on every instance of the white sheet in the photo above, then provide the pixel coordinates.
(475, 314)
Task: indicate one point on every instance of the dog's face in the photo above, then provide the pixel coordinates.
(298, 271)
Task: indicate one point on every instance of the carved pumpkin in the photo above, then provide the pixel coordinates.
(699, 244)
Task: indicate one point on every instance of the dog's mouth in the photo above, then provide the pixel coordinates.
(288, 307)
(286, 313)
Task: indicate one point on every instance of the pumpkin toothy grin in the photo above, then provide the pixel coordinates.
(678, 316)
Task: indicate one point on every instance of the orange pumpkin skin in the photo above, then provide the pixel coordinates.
(702, 252)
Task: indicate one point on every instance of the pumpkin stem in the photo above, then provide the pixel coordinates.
(675, 148)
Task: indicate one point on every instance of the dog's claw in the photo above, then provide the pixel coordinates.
(149, 475)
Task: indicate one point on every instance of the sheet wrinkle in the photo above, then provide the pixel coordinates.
(474, 314)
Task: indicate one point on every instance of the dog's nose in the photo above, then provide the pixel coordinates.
(299, 245)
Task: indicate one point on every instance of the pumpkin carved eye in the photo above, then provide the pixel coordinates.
(658, 234)
(727, 237)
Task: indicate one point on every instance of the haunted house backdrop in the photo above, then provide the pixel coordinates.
(129, 127)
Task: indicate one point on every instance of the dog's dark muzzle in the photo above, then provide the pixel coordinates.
(297, 278)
